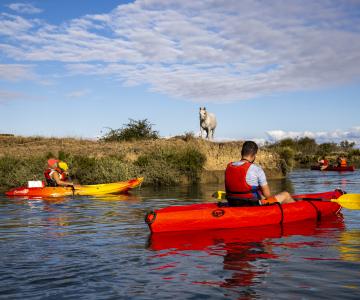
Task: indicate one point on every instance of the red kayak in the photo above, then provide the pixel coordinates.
(335, 168)
(215, 216)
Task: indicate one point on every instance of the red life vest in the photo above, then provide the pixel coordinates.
(324, 162)
(50, 181)
(236, 185)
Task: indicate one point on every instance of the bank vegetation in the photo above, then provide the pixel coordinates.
(178, 160)
(305, 152)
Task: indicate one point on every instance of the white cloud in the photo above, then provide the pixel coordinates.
(336, 136)
(15, 72)
(12, 26)
(211, 51)
(24, 8)
(78, 93)
(6, 96)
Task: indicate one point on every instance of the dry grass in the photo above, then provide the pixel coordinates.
(218, 154)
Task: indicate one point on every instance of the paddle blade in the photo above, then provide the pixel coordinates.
(349, 201)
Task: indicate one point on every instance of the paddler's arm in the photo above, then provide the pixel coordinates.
(60, 182)
(262, 182)
(266, 191)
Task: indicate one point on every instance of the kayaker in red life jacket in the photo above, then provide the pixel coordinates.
(324, 163)
(56, 173)
(246, 184)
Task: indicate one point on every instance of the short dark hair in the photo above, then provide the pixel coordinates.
(249, 148)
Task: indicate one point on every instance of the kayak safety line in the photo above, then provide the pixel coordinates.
(318, 213)
(282, 212)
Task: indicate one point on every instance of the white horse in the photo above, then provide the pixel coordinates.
(207, 123)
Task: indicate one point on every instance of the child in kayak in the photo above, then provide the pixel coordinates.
(246, 184)
(323, 163)
(56, 173)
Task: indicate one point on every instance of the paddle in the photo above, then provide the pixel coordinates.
(349, 201)
(73, 189)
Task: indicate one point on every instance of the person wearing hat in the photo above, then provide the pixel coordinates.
(56, 173)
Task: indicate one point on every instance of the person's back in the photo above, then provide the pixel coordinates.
(246, 183)
(243, 180)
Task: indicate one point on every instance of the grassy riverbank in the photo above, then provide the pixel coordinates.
(161, 162)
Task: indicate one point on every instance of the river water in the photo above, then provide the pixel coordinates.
(100, 248)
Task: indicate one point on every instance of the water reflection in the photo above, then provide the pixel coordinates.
(349, 246)
(53, 246)
(248, 253)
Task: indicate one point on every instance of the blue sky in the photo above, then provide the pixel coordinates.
(268, 70)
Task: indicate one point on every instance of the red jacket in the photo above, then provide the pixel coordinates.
(50, 180)
(236, 185)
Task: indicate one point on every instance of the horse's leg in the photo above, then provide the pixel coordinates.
(201, 132)
(207, 133)
(212, 133)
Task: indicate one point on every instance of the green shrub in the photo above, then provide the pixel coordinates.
(134, 130)
(90, 170)
(287, 154)
(288, 142)
(354, 152)
(326, 149)
(307, 145)
(346, 145)
(17, 171)
(166, 166)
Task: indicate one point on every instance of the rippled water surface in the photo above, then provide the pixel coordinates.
(100, 248)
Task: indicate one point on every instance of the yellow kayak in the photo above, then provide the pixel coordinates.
(82, 190)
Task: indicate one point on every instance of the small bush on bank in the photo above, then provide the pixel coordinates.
(134, 130)
(288, 155)
(90, 170)
(16, 171)
(326, 148)
(169, 165)
(187, 136)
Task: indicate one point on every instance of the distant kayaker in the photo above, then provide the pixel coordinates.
(246, 183)
(341, 162)
(56, 173)
(323, 163)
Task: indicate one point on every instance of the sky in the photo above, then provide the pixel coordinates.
(267, 69)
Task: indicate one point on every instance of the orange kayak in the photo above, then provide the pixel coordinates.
(83, 190)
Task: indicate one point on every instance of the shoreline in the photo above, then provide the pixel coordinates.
(161, 161)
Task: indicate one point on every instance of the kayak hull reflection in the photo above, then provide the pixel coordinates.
(333, 168)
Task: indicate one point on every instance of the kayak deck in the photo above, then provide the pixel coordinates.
(84, 190)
